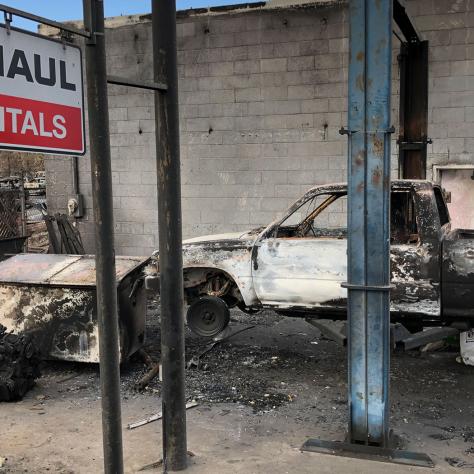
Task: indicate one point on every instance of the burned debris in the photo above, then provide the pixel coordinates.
(53, 299)
(19, 365)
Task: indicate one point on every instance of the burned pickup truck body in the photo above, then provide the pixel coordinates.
(297, 264)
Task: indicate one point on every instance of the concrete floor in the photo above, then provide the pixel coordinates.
(57, 427)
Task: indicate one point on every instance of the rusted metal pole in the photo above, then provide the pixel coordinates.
(170, 237)
(104, 236)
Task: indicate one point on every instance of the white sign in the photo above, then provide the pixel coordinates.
(41, 94)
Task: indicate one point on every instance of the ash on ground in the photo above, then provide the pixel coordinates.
(285, 366)
(248, 375)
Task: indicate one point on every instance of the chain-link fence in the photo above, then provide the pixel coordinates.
(10, 213)
(36, 207)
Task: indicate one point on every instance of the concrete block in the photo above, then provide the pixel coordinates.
(282, 107)
(221, 69)
(315, 105)
(274, 65)
(251, 66)
(286, 50)
(260, 50)
(248, 95)
(301, 92)
(197, 70)
(274, 92)
(222, 96)
(235, 53)
(117, 113)
(448, 115)
(141, 112)
(299, 63)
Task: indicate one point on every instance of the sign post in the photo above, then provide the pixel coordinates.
(101, 173)
(42, 110)
(41, 94)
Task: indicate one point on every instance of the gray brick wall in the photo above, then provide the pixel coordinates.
(262, 98)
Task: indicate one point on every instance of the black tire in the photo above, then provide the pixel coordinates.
(208, 316)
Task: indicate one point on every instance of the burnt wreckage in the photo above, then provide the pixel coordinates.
(52, 299)
(297, 264)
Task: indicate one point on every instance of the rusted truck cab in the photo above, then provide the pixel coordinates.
(296, 264)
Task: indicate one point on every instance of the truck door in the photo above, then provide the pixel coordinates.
(415, 290)
(304, 261)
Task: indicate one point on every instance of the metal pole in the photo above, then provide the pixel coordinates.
(104, 236)
(170, 245)
(369, 220)
(23, 209)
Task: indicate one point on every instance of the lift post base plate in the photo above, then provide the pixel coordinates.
(372, 453)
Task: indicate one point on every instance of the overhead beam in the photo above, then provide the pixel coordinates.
(45, 21)
(404, 23)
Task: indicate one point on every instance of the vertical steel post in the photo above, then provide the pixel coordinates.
(369, 220)
(104, 236)
(170, 238)
(24, 216)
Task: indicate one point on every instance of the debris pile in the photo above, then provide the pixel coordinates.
(19, 365)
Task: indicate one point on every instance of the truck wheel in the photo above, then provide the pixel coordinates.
(208, 316)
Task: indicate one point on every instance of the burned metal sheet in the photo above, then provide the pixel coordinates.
(53, 299)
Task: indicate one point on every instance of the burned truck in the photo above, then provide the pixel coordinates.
(296, 265)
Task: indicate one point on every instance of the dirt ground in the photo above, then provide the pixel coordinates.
(261, 394)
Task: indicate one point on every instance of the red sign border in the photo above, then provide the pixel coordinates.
(51, 151)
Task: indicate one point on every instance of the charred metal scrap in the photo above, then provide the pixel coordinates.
(52, 298)
(19, 365)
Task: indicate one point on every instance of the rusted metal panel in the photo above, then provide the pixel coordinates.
(76, 270)
(53, 298)
(34, 269)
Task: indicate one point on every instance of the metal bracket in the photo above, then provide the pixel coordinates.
(66, 37)
(8, 17)
(346, 131)
(362, 451)
(351, 286)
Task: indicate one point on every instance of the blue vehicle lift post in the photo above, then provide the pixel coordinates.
(368, 285)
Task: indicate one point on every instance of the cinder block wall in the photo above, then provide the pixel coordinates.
(263, 94)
